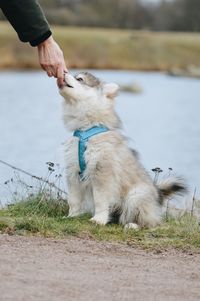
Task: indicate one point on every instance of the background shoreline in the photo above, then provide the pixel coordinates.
(105, 48)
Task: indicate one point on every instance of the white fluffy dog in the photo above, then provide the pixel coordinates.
(104, 175)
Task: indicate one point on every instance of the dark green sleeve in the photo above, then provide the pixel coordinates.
(27, 18)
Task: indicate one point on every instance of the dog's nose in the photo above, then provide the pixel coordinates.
(68, 77)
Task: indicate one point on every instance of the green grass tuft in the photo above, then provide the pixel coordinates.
(39, 205)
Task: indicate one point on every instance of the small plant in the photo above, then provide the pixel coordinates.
(193, 202)
(20, 188)
(157, 171)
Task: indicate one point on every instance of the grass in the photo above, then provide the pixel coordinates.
(107, 49)
(39, 216)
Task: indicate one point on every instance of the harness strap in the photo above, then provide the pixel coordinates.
(84, 136)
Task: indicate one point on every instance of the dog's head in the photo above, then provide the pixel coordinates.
(88, 101)
(85, 86)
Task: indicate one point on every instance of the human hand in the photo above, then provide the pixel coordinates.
(52, 60)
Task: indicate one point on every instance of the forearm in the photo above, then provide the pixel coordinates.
(27, 18)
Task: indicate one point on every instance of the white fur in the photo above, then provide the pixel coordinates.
(131, 226)
(114, 178)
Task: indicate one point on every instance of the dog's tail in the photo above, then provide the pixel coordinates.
(171, 186)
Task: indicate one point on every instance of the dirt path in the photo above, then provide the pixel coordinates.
(33, 268)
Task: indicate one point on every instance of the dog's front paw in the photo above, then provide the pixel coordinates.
(132, 226)
(100, 220)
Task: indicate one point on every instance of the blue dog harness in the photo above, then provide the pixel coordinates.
(84, 136)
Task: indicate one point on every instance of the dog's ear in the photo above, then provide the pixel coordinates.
(110, 90)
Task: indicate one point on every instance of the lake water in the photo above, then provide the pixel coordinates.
(163, 122)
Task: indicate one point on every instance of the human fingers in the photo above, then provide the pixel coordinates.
(50, 71)
(60, 76)
(65, 69)
(48, 68)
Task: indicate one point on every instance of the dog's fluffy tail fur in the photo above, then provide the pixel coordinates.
(171, 186)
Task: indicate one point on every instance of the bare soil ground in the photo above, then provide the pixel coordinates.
(37, 268)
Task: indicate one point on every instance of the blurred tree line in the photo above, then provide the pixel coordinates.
(176, 15)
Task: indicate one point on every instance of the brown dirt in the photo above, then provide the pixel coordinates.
(36, 268)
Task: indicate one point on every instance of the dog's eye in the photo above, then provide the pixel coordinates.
(80, 79)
